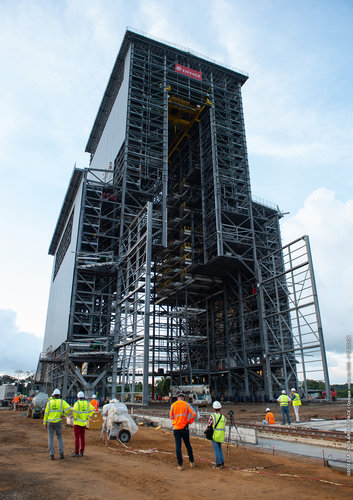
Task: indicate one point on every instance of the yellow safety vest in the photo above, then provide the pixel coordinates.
(284, 400)
(296, 401)
(220, 431)
(82, 411)
(54, 409)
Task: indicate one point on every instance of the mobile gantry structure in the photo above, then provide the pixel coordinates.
(172, 267)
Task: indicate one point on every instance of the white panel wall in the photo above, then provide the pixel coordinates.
(56, 328)
(114, 132)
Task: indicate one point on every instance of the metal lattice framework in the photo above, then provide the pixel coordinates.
(179, 271)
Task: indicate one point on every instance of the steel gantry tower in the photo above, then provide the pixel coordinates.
(174, 268)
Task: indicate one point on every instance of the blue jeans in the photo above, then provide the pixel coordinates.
(182, 434)
(285, 411)
(218, 453)
(57, 428)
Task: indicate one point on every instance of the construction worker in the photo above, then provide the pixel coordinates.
(296, 402)
(182, 414)
(94, 402)
(82, 411)
(15, 401)
(269, 418)
(54, 409)
(284, 402)
(218, 422)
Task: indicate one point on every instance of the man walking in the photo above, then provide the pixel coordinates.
(284, 401)
(82, 411)
(182, 414)
(54, 409)
(296, 402)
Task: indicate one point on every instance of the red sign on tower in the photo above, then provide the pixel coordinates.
(192, 73)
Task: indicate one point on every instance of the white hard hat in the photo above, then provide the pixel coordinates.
(292, 389)
(56, 392)
(94, 396)
(283, 392)
(217, 405)
(80, 395)
(268, 409)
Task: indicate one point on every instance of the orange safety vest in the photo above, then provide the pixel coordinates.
(16, 399)
(270, 418)
(95, 403)
(181, 414)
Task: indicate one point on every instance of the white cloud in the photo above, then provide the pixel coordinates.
(337, 364)
(18, 350)
(329, 224)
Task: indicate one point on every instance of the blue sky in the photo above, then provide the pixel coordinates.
(56, 58)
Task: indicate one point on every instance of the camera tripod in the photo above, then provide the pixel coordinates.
(232, 424)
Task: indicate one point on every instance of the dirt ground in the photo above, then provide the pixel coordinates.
(146, 469)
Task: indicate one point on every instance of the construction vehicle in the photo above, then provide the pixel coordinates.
(38, 405)
(7, 393)
(198, 394)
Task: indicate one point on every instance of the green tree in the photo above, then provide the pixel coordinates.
(315, 385)
(162, 386)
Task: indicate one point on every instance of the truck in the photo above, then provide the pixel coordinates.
(7, 393)
(198, 394)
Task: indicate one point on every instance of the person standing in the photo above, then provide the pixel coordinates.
(218, 422)
(296, 402)
(55, 408)
(182, 414)
(94, 402)
(269, 418)
(15, 401)
(284, 402)
(82, 411)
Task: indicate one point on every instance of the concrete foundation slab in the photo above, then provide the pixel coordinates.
(237, 435)
(327, 425)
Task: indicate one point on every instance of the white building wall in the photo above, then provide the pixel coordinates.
(56, 328)
(115, 129)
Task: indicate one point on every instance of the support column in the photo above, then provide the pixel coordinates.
(147, 304)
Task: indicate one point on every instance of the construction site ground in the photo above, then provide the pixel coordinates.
(146, 467)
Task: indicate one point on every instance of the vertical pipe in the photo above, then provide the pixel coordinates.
(243, 339)
(226, 333)
(208, 344)
(165, 158)
(216, 183)
(147, 304)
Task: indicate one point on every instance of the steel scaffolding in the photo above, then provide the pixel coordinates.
(179, 271)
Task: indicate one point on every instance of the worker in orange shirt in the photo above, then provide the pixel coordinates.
(182, 414)
(15, 401)
(94, 402)
(269, 418)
